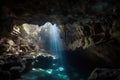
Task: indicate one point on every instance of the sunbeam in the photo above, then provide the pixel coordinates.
(56, 70)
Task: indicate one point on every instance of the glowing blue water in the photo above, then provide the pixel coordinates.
(48, 74)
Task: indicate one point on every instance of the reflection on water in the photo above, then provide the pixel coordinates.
(46, 74)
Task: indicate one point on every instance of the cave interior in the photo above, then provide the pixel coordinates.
(59, 40)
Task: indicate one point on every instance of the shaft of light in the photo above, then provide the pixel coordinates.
(55, 40)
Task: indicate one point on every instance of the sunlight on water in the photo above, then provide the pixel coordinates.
(42, 74)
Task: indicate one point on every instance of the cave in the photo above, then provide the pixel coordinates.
(59, 40)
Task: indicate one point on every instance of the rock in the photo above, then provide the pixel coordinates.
(105, 74)
(5, 75)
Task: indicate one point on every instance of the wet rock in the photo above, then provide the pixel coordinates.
(105, 74)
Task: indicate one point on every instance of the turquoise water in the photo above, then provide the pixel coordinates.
(46, 74)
